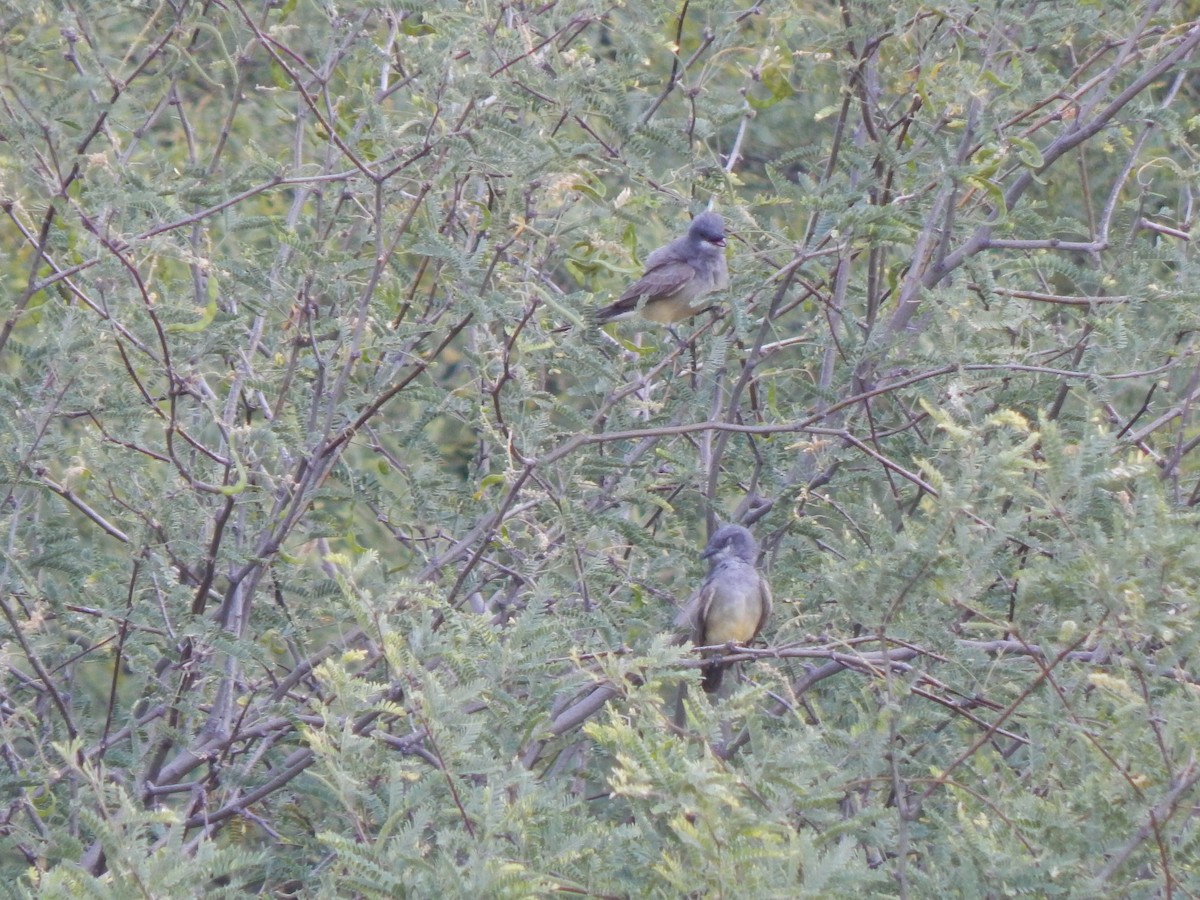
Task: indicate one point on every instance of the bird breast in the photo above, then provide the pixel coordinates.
(735, 609)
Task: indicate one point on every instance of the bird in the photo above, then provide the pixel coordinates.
(733, 603)
(677, 276)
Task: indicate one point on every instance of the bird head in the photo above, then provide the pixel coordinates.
(708, 228)
(731, 542)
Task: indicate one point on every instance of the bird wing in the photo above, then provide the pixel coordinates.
(655, 285)
(674, 252)
(661, 281)
(764, 591)
(689, 618)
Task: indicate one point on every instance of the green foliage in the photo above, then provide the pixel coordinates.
(341, 551)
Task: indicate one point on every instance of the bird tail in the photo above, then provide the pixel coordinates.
(712, 677)
(614, 312)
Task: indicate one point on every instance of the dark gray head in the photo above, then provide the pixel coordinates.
(730, 542)
(709, 228)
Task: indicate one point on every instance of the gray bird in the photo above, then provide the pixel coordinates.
(733, 603)
(677, 276)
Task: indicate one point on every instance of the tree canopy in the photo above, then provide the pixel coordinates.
(341, 547)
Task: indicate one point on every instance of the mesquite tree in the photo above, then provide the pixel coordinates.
(341, 546)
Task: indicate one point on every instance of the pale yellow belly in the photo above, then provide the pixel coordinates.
(669, 310)
(733, 618)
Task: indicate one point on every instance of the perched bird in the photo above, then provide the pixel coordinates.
(733, 603)
(677, 276)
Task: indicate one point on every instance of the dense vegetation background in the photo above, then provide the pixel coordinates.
(333, 564)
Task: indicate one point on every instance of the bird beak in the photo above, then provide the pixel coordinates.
(709, 553)
(720, 242)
